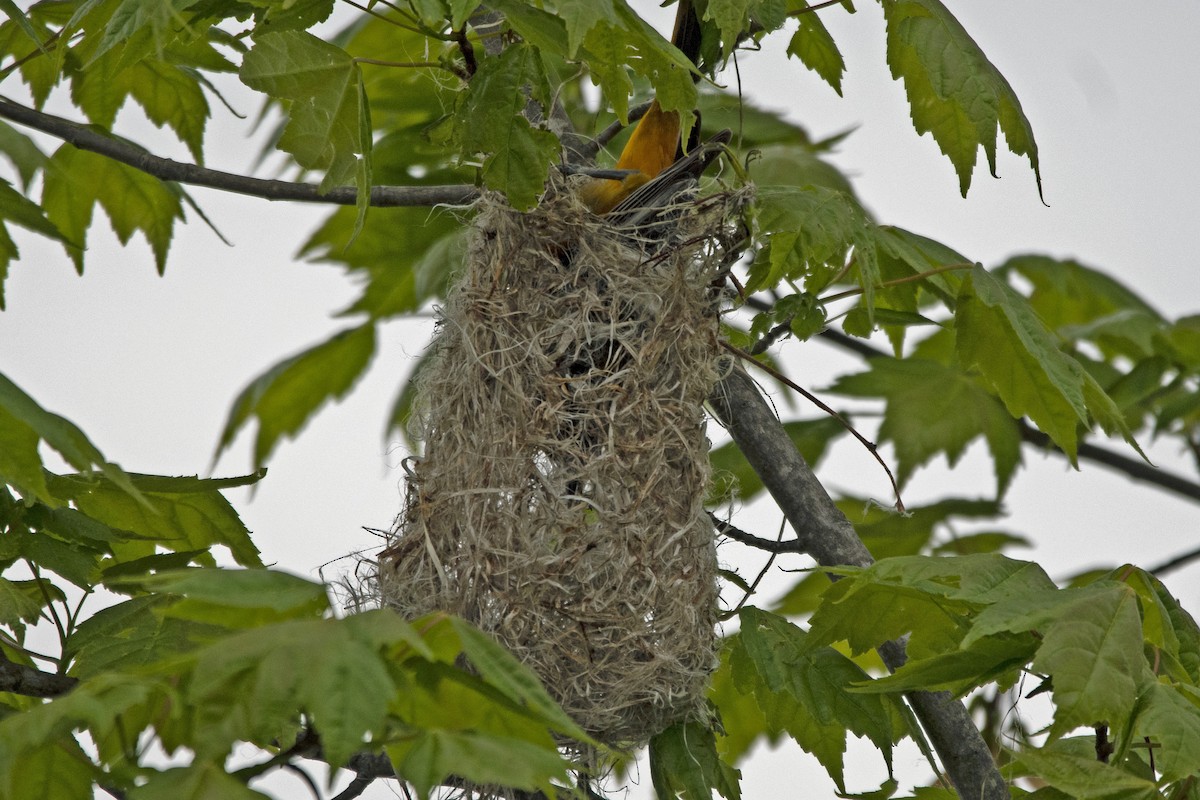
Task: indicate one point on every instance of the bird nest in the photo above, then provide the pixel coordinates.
(559, 502)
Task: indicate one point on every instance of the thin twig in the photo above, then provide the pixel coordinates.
(896, 281)
(871, 447)
(389, 20)
(467, 49)
(762, 572)
(816, 7)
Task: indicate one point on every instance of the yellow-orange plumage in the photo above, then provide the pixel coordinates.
(650, 150)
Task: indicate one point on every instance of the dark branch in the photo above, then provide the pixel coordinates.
(590, 149)
(750, 540)
(1176, 563)
(31, 682)
(824, 532)
(1133, 468)
(87, 138)
(356, 788)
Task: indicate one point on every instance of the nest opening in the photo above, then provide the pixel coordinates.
(559, 501)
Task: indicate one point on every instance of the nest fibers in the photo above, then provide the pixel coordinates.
(559, 504)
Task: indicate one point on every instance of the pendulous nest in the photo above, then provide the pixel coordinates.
(559, 502)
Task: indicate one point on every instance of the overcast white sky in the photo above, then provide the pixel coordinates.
(148, 366)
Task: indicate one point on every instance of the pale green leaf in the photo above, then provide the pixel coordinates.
(322, 87)
(989, 659)
(75, 561)
(655, 58)
(932, 409)
(55, 769)
(866, 614)
(132, 634)
(811, 233)
(179, 521)
(1086, 778)
(787, 669)
(17, 605)
(789, 165)
(76, 180)
(815, 48)
(513, 679)
(1173, 721)
(430, 756)
(293, 15)
(14, 12)
(252, 684)
(235, 598)
(172, 96)
(284, 398)
(581, 18)
(1001, 335)
(1093, 654)
(96, 704)
(492, 121)
(684, 763)
(954, 91)
(19, 149)
(160, 20)
(23, 424)
(730, 17)
(27, 214)
(198, 781)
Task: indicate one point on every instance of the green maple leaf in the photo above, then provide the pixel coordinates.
(1091, 647)
(954, 92)
(1171, 715)
(811, 232)
(201, 780)
(484, 758)
(285, 397)
(815, 48)
(328, 124)
(802, 688)
(684, 763)
(24, 425)
(1078, 775)
(1093, 654)
(999, 333)
(249, 685)
(76, 180)
(187, 520)
(934, 409)
(492, 121)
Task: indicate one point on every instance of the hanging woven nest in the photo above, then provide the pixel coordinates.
(559, 502)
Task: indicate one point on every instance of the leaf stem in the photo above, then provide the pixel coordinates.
(390, 21)
(897, 281)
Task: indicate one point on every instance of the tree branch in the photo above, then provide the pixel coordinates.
(32, 682)
(88, 138)
(750, 540)
(1133, 468)
(823, 531)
